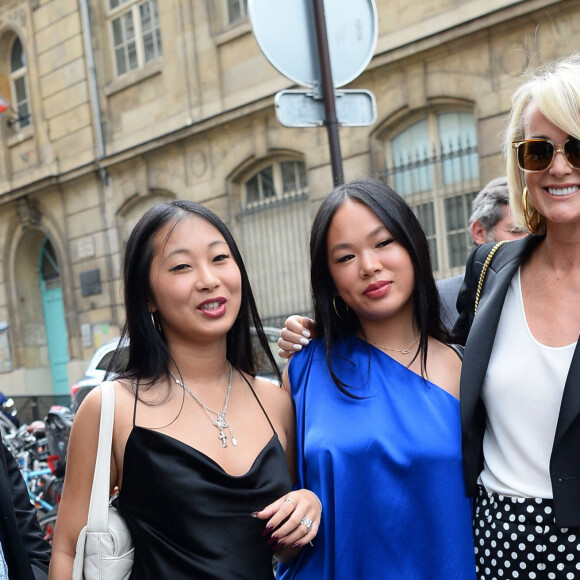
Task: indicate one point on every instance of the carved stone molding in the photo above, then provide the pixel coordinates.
(28, 212)
(18, 17)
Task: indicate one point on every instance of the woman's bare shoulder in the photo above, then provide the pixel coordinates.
(267, 388)
(271, 395)
(444, 367)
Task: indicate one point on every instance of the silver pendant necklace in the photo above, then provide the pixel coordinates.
(220, 421)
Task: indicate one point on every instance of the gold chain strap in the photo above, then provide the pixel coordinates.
(484, 272)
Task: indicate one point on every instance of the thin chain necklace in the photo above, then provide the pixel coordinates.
(220, 421)
(403, 351)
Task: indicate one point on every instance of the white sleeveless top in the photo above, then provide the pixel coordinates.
(522, 393)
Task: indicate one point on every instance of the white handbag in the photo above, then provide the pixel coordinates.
(104, 548)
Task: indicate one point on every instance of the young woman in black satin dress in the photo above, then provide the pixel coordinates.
(203, 451)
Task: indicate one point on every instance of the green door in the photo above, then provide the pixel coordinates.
(54, 319)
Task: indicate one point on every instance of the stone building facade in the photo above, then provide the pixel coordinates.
(117, 104)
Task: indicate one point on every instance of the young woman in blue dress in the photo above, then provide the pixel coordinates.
(376, 399)
(200, 445)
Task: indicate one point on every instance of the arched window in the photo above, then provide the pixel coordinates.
(434, 164)
(19, 84)
(274, 182)
(49, 269)
(273, 225)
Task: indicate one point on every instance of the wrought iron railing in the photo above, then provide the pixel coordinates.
(440, 186)
(273, 237)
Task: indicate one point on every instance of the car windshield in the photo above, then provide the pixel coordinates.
(264, 367)
(103, 364)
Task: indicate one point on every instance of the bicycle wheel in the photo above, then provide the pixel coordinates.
(47, 522)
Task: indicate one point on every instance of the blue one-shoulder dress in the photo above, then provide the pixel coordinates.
(387, 469)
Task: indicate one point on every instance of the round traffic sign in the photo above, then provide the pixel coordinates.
(286, 34)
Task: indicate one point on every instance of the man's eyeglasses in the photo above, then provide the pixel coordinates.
(539, 154)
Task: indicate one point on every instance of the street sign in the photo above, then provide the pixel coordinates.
(296, 108)
(285, 32)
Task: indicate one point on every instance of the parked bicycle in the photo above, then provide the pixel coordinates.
(40, 450)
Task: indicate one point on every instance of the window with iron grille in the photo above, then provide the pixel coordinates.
(280, 180)
(135, 33)
(19, 85)
(273, 229)
(237, 10)
(433, 163)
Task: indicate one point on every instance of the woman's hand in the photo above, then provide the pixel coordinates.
(292, 522)
(295, 334)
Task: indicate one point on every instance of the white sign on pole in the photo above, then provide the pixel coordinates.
(296, 108)
(286, 34)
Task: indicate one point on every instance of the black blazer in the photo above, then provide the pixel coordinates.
(25, 551)
(478, 334)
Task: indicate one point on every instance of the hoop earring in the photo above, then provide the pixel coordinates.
(154, 321)
(336, 310)
(534, 221)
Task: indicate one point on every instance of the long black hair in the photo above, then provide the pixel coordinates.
(405, 228)
(149, 355)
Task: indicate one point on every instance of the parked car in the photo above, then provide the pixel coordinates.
(95, 372)
(264, 368)
(99, 363)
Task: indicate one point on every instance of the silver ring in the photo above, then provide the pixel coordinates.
(290, 500)
(306, 522)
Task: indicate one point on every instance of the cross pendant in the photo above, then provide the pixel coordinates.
(223, 437)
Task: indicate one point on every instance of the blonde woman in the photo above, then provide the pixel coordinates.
(520, 381)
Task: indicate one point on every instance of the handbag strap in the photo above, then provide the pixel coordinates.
(484, 272)
(98, 519)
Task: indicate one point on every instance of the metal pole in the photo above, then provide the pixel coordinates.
(331, 120)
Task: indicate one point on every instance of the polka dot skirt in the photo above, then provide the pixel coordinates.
(517, 537)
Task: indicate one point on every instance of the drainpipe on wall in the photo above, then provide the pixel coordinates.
(109, 229)
(93, 89)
